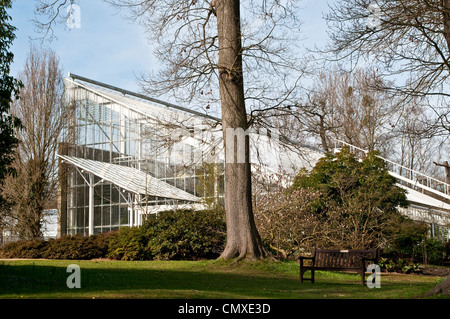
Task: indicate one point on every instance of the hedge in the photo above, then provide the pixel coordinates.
(66, 247)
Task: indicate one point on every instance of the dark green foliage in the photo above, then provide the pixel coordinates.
(24, 249)
(183, 234)
(434, 251)
(447, 250)
(404, 237)
(67, 247)
(357, 199)
(78, 247)
(9, 87)
(128, 244)
(406, 244)
(186, 235)
(345, 180)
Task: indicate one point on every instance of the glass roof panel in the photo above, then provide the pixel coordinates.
(130, 179)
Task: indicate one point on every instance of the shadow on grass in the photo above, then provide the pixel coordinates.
(109, 281)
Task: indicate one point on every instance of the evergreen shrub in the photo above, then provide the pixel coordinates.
(182, 234)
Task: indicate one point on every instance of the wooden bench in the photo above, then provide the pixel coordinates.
(338, 260)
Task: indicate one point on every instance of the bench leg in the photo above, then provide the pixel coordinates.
(363, 274)
(302, 273)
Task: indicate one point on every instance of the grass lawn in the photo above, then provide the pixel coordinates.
(195, 279)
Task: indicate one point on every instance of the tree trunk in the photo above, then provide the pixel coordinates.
(446, 21)
(447, 172)
(243, 240)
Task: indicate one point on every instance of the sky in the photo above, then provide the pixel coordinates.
(108, 47)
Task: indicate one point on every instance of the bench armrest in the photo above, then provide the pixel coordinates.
(305, 257)
(301, 258)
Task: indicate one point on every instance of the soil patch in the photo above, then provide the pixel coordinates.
(442, 288)
(436, 271)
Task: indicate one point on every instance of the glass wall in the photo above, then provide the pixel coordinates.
(109, 127)
(102, 129)
(438, 221)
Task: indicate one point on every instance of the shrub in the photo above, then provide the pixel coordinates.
(434, 251)
(78, 247)
(292, 221)
(24, 249)
(128, 244)
(286, 220)
(447, 251)
(66, 247)
(183, 234)
(343, 203)
(403, 237)
(357, 198)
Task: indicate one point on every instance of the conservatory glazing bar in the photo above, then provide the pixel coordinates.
(131, 179)
(128, 179)
(132, 155)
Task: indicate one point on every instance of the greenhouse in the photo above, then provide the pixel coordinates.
(125, 155)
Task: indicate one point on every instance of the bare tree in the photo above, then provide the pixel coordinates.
(447, 170)
(408, 40)
(208, 52)
(415, 139)
(41, 109)
(349, 107)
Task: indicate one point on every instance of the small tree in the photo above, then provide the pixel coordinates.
(349, 106)
(286, 220)
(42, 111)
(357, 198)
